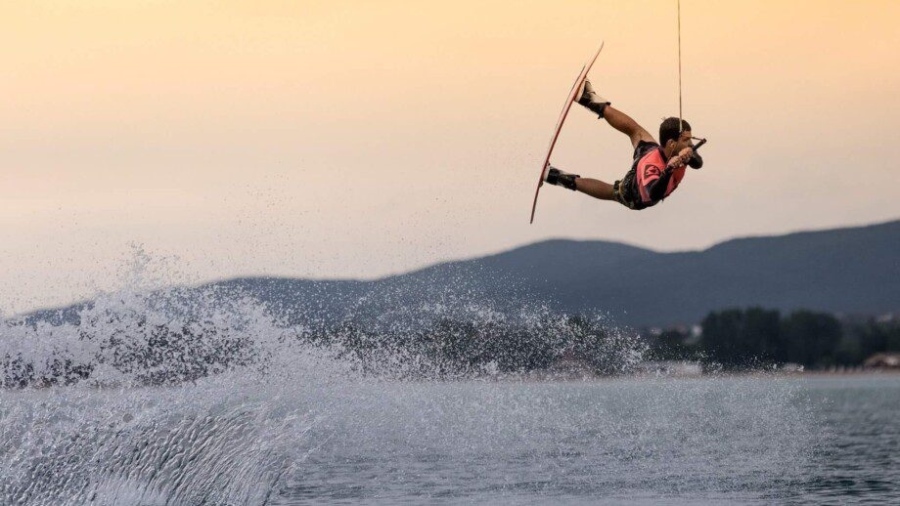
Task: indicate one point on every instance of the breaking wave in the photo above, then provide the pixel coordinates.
(208, 396)
(176, 336)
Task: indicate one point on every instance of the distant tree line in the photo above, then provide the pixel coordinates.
(753, 337)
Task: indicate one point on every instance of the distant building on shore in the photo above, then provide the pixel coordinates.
(883, 361)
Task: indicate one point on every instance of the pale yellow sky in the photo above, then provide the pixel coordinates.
(359, 139)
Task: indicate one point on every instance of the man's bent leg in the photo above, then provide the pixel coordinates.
(625, 124)
(595, 188)
(616, 118)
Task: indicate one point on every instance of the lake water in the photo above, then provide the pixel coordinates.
(323, 437)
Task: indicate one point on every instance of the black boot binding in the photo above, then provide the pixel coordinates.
(557, 177)
(589, 98)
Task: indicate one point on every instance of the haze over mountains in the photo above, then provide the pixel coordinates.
(848, 270)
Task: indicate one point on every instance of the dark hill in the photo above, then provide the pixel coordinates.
(850, 270)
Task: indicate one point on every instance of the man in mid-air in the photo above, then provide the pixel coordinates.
(657, 169)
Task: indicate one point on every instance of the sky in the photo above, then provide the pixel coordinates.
(188, 141)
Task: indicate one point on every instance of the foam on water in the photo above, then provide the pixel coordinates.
(191, 397)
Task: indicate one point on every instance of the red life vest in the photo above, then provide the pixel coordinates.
(651, 173)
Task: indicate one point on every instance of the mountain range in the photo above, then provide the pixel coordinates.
(848, 270)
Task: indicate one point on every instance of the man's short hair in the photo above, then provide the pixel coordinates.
(671, 129)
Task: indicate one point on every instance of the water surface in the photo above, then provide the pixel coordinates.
(327, 438)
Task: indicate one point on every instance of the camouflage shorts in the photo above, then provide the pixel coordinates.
(625, 191)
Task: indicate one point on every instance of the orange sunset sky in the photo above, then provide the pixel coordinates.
(358, 139)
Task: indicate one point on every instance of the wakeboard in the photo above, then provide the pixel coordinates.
(570, 99)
